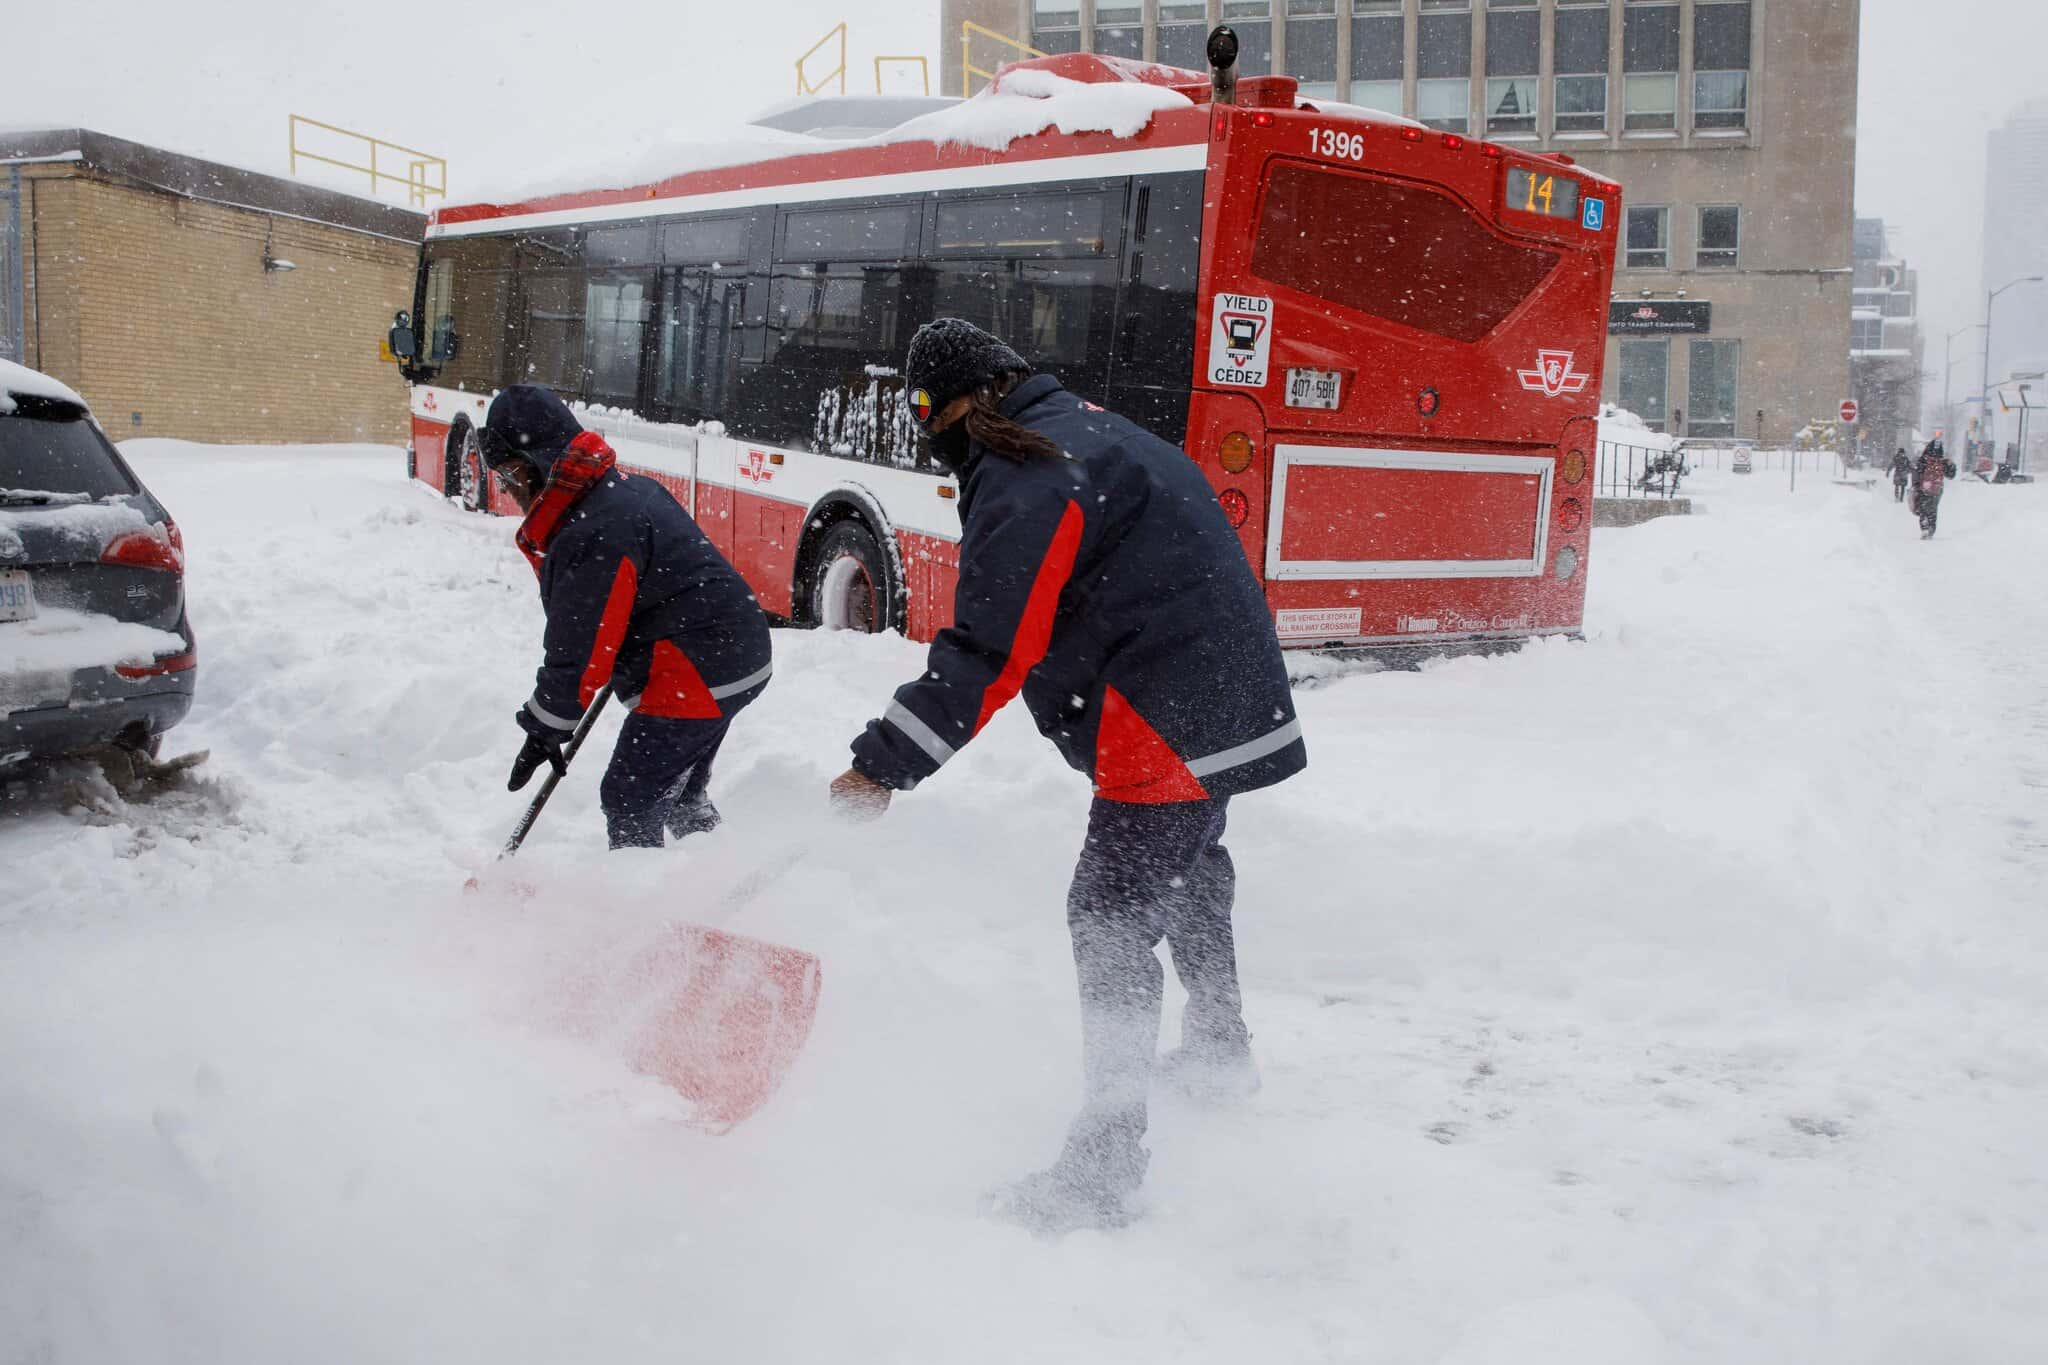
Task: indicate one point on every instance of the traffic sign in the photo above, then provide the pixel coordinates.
(1849, 410)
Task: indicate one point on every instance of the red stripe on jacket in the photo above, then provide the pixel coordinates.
(611, 632)
(1034, 628)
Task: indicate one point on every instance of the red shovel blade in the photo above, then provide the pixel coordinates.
(722, 1017)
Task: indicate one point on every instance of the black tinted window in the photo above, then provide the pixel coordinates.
(49, 447)
(1028, 225)
(707, 241)
(884, 230)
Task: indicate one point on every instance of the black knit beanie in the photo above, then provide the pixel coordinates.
(527, 422)
(950, 357)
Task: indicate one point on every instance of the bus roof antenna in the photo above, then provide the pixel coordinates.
(1223, 64)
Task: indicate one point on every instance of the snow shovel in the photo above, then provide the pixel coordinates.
(716, 1016)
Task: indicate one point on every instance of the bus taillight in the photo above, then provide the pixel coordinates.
(1234, 453)
(1454, 142)
(1570, 515)
(1235, 504)
(1574, 465)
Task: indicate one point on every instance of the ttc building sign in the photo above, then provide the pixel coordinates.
(1644, 318)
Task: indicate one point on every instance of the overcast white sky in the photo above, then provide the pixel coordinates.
(504, 87)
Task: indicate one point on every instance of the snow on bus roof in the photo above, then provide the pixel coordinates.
(1023, 101)
(21, 380)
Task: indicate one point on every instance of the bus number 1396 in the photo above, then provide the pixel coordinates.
(1330, 142)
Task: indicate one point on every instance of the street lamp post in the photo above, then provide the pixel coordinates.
(1948, 417)
(1984, 390)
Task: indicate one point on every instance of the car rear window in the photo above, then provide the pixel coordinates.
(48, 446)
(1405, 253)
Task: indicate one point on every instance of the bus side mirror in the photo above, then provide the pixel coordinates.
(401, 340)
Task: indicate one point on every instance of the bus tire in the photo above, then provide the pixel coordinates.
(850, 585)
(468, 480)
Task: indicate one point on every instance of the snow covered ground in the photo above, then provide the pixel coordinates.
(1674, 996)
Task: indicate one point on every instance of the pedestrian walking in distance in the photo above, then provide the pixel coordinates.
(637, 598)
(1902, 474)
(1099, 577)
(1930, 476)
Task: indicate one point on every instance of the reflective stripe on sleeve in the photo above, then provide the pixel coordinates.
(1269, 743)
(547, 717)
(920, 734)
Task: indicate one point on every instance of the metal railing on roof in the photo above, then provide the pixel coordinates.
(804, 84)
(425, 174)
(968, 70)
(924, 72)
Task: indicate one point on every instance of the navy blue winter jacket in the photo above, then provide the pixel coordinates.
(1107, 586)
(636, 596)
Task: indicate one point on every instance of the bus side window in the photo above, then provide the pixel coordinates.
(1155, 347)
(700, 314)
(465, 315)
(440, 314)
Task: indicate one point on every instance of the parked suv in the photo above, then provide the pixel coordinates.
(94, 645)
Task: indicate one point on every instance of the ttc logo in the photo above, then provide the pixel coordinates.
(756, 468)
(430, 403)
(1553, 376)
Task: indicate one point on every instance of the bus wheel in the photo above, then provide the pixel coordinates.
(470, 485)
(850, 586)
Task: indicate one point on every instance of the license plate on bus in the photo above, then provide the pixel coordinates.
(17, 596)
(1314, 388)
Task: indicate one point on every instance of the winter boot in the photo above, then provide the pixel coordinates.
(1089, 1186)
(1211, 1071)
(699, 818)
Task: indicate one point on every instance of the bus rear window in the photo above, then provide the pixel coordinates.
(1401, 252)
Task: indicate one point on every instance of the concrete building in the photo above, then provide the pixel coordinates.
(1886, 348)
(2015, 246)
(189, 299)
(1728, 122)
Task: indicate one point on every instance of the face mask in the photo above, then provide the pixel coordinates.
(950, 445)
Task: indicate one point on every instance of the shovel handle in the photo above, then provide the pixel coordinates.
(554, 777)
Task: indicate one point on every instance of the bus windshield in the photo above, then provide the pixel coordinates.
(1402, 252)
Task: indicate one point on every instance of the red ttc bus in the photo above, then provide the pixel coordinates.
(1381, 343)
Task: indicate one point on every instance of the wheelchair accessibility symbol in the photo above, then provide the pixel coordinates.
(1593, 216)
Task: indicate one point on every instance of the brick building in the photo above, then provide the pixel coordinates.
(189, 299)
(1729, 123)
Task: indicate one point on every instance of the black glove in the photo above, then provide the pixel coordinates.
(539, 748)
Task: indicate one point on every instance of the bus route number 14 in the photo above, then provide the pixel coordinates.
(1330, 142)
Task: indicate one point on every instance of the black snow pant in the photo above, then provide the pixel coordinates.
(1898, 490)
(1149, 872)
(1928, 505)
(661, 766)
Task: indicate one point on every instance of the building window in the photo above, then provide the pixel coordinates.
(1720, 231)
(1312, 46)
(1056, 25)
(1710, 388)
(1444, 105)
(1579, 59)
(1898, 304)
(1652, 102)
(1184, 36)
(1649, 238)
(1645, 367)
(1720, 99)
(1866, 334)
(1513, 43)
(1120, 30)
(1720, 61)
(1649, 61)
(1376, 57)
(1253, 20)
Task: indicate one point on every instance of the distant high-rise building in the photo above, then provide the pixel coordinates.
(2015, 246)
(1885, 344)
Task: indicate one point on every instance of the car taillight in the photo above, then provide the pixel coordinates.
(157, 548)
(1234, 453)
(1235, 504)
(175, 663)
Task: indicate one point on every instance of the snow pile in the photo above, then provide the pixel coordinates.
(19, 379)
(1024, 103)
(1670, 998)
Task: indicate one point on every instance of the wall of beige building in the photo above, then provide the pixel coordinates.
(158, 309)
